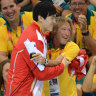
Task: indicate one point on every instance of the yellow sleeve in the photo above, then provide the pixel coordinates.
(91, 27)
(94, 79)
(3, 38)
(70, 51)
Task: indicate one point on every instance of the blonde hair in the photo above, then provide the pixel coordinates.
(60, 21)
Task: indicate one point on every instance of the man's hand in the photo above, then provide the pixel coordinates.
(82, 23)
(38, 58)
(58, 9)
(66, 62)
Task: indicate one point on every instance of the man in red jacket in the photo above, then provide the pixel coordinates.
(22, 70)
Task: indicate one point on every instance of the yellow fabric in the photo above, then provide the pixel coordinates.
(69, 51)
(1, 88)
(94, 79)
(5, 42)
(67, 84)
(2, 21)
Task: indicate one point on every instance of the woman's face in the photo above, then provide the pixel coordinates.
(64, 33)
(5, 71)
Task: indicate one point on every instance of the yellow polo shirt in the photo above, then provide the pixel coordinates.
(2, 21)
(67, 85)
(5, 42)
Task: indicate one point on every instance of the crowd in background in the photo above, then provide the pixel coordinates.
(74, 29)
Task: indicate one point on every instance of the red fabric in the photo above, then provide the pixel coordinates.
(21, 65)
(75, 64)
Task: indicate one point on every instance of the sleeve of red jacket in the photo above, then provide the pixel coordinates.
(49, 72)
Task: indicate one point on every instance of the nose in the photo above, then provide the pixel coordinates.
(67, 32)
(9, 9)
(77, 6)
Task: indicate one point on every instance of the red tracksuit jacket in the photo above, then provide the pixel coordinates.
(21, 65)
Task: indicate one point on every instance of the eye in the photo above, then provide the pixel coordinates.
(4, 8)
(11, 6)
(7, 70)
(81, 4)
(73, 4)
(63, 28)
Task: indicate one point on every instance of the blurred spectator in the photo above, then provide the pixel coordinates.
(25, 5)
(4, 67)
(12, 29)
(92, 2)
(84, 21)
(60, 5)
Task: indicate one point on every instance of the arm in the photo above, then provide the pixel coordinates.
(91, 44)
(88, 85)
(58, 9)
(39, 59)
(89, 40)
(93, 2)
(51, 63)
(34, 2)
(68, 52)
(24, 3)
(3, 43)
(48, 72)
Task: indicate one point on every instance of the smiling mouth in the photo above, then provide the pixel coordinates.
(64, 37)
(10, 15)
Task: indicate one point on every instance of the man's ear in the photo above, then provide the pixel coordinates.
(40, 18)
(18, 6)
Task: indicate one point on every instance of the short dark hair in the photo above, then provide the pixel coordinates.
(43, 9)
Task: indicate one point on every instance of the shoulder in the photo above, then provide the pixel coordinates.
(2, 21)
(29, 33)
(71, 50)
(72, 44)
(27, 14)
(3, 29)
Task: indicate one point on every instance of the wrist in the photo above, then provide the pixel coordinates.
(46, 62)
(86, 33)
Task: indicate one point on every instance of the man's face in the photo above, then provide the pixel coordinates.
(63, 33)
(48, 23)
(10, 10)
(78, 7)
